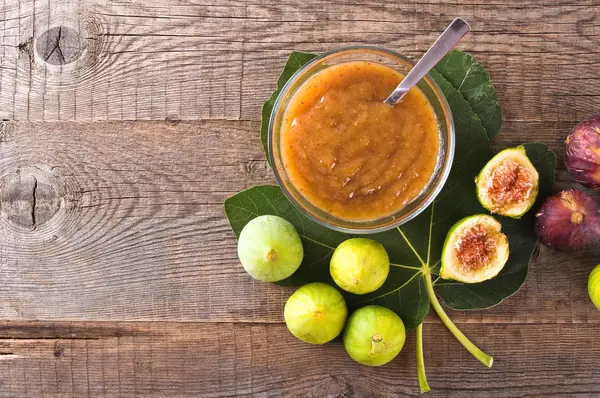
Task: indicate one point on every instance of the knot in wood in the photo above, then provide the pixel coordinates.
(333, 386)
(143, 365)
(60, 45)
(28, 200)
(59, 349)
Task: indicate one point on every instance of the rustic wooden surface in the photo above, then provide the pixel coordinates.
(127, 123)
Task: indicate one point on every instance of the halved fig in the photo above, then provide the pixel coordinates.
(475, 250)
(508, 184)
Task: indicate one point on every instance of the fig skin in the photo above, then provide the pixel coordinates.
(270, 248)
(359, 265)
(316, 313)
(582, 153)
(594, 286)
(569, 221)
(374, 335)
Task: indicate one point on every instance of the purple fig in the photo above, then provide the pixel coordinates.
(569, 221)
(582, 156)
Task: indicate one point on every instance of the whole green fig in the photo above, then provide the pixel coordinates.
(270, 249)
(594, 286)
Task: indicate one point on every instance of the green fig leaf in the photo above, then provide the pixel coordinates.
(415, 247)
(404, 290)
(521, 238)
(474, 83)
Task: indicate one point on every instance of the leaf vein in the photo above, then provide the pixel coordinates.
(393, 290)
(430, 233)
(268, 201)
(411, 246)
(466, 75)
(405, 266)
(316, 241)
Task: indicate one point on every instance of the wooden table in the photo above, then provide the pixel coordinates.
(126, 123)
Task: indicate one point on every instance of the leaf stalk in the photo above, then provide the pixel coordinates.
(472, 348)
(421, 361)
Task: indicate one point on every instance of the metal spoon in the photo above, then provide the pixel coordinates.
(452, 35)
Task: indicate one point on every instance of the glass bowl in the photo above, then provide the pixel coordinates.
(444, 158)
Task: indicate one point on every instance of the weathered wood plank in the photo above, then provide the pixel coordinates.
(124, 221)
(135, 61)
(190, 61)
(140, 232)
(138, 202)
(118, 359)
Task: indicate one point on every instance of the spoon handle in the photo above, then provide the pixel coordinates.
(452, 35)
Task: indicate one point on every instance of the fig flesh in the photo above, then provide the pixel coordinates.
(270, 249)
(316, 313)
(582, 153)
(374, 335)
(359, 265)
(475, 250)
(508, 183)
(569, 221)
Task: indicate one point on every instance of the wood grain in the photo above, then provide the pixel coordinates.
(96, 359)
(140, 232)
(193, 61)
(122, 221)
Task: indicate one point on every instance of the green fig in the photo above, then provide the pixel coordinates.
(270, 249)
(374, 335)
(359, 265)
(316, 313)
(475, 250)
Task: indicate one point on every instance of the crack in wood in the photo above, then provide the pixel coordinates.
(10, 356)
(56, 46)
(60, 45)
(29, 197)
(33, 201)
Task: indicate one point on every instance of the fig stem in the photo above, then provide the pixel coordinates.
(472, 348)
(271, 255)
(576, 218)
(377, 346)
(421, 360)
